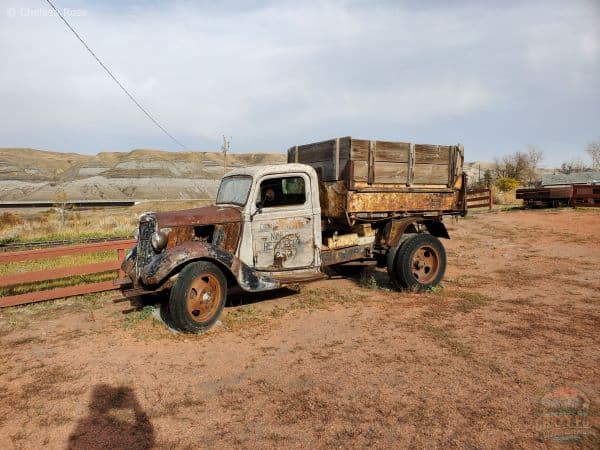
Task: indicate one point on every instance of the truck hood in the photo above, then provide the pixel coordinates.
(208, 215)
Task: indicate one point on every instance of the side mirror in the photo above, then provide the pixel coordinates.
(258, 210)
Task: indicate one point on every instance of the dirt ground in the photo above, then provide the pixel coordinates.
(333, 364)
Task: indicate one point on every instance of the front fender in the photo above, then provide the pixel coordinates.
(171, 260)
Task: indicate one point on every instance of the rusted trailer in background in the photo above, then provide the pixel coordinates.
(575, 195)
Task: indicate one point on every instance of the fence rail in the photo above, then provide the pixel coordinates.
(119, 247)
(480, 198)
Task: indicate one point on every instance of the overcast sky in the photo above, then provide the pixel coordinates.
(496, 77)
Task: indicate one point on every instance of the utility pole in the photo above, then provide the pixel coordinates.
(224, 150)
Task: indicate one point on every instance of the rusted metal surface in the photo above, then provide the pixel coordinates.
(586, 195)
(208, 215)
(296, 276)
(339, 256)
(226, 236)
(546, 196)
(283, 243)
(400, 202)
(393, 231)
(163, 265)
(51, 274)
(332, 196)
(204, 297)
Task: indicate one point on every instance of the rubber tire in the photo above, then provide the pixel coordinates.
(178, 311)
(402, 267)
(390, 258)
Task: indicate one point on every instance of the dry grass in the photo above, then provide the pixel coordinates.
(447, 339)
(49, 225)
(20, 317)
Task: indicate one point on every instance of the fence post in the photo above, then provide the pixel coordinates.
(491, 199)
(121, 257)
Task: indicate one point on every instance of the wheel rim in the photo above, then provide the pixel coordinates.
(204, 297)
(425, 264)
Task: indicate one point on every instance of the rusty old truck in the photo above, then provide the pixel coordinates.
(340, 201)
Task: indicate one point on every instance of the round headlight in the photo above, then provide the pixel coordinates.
(159, 240)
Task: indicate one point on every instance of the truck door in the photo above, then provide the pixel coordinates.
(282, 228)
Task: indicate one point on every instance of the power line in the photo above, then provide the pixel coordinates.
(131, 97)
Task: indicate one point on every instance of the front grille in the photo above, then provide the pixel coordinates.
(145, 252)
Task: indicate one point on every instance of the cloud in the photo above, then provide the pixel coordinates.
(273, 74)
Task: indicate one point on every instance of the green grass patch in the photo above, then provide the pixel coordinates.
(56, 262)
(71, 236)
(139, 315)
(58, 283)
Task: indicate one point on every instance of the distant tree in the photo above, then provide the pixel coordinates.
(487, 178)
(573, 166)
(520, 166)
(593, 149)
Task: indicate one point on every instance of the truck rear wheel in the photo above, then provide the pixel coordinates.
(198, 297)
(420, 262)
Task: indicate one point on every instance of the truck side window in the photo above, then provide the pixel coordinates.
(284, 191)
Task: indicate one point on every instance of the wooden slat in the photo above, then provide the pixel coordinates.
(430, 174)
(359, 150)
(397, 152)
(432, 154)
(26, 255)
(477, 199)
(292, 154)
(372, 149)
(320, 151)
(361, 171)
(389, 172)
(344, 149)
(62, 272)
(52, 294)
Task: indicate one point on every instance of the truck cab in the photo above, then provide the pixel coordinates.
(281, 218)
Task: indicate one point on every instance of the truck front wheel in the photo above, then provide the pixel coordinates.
(420, 262)
(198, 297)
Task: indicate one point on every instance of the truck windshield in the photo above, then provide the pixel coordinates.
(234, 190)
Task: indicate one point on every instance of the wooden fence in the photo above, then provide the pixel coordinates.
(479, 198)
(119, 247)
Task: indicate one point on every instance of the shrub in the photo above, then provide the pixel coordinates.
(506, 184)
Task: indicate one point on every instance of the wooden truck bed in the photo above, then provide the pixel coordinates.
(362, 179)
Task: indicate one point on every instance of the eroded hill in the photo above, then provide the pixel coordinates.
(28, 174)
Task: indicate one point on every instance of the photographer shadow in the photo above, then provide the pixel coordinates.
(115, 420)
